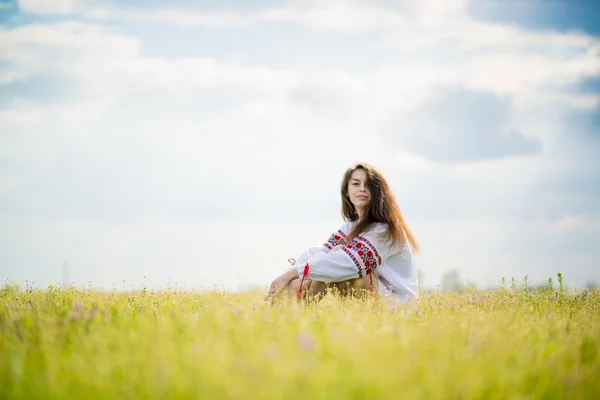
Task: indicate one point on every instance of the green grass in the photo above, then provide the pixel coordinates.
(91, 344)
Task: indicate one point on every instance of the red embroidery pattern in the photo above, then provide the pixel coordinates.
(362, 251)
(356, 263)
(335, 239)
(371, 247)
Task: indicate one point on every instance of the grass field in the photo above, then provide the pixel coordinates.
(170, 344)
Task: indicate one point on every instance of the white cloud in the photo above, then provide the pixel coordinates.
(469, 126)
(407, 22)
(512, 72)
(152, 148)
(107, 63)
(50, 6)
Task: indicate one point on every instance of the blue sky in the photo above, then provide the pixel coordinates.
(204, 144)
(557, 15)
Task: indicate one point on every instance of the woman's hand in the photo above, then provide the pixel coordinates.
(281, 282)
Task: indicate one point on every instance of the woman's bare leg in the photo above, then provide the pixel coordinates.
(356, 287)
(353, 287)
(316, 290)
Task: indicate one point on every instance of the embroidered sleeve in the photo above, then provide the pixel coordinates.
(335, 239)
(363, 254)
(360, 256)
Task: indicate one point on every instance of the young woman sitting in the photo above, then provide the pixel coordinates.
(373, 250)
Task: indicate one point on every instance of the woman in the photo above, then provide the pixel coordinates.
(373, 250)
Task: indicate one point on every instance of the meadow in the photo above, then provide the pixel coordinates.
(509, 343)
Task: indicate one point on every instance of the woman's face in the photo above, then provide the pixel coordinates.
(358, 191)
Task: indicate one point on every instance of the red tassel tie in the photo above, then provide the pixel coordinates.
(371, 279)
(304, 275)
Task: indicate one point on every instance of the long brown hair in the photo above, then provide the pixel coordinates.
(383, 207)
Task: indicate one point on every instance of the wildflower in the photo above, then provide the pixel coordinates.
(306, 341)
(77, 311)
(75, 315)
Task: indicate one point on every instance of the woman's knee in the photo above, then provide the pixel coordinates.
(356, 286)
(364, 283)
(294, 287)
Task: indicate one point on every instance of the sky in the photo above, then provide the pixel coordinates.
(202, 144)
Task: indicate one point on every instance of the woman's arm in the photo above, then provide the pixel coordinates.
(356, 259)
(282, 281)
(336, 238)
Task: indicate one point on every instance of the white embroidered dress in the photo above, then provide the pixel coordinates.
(393, 266)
